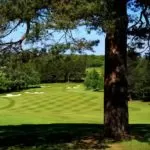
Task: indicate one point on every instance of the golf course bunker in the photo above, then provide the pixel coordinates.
(12, 95)
(69, 88)
(74, 87)
(45, 86)
(34, 92)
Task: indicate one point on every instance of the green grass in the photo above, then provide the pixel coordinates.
(68, 103)
(135, 145)
(60, 103)
(139, 112)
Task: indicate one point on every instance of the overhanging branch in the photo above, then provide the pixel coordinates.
(20, 21)
(18, 42)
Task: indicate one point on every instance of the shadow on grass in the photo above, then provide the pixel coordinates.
(140, 132)
(62, 136)
(52, 136)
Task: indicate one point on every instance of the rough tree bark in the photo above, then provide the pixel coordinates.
(115, 93)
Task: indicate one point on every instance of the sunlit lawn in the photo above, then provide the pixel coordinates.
(57, 103)
(65, 103)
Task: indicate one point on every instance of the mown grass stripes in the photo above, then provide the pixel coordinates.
(59, 104)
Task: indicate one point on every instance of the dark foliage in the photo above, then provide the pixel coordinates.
(139, 79)
(31, 67)
(95, 61)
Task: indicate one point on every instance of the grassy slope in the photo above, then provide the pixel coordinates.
(60, 103)
(67, 103)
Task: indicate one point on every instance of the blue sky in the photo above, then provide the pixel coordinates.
(99, 50)
(79, 33)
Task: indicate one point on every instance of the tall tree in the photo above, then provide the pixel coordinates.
(115, 95)
(109, 16)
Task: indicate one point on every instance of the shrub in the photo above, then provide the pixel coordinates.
(14, 80)
(94, 81)
(31, 78)
(3, 82)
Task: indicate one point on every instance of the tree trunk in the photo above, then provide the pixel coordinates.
(116, 87)
(66, 77)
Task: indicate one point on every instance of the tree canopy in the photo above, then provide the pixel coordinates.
(41, 16)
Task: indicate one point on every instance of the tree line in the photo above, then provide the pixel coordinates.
(31, 67)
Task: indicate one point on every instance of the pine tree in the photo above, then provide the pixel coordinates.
(109, 16)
